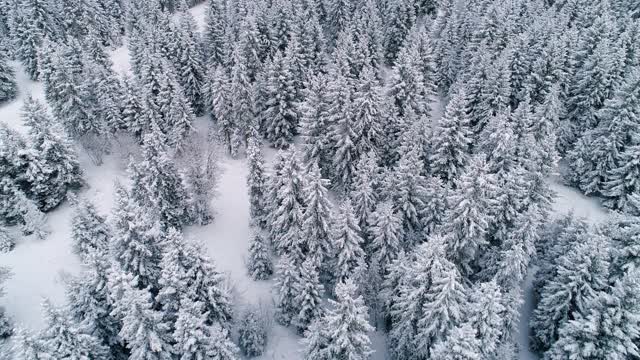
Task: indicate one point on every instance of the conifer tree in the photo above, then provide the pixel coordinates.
(8, 87)
(162, 181)
(309, 295)
(369, 112)
(200, 181)
(288, 208)
(190, 62)
(173, 282)
(219, 103)
(7, 243)
(608, 327)
(317, 217)
(451, 146)
(132, 117)
(287, 278)
(280, 115)
(363, 189)
(90, 303)
(256, 181)
(347, 243)
(385, 231)
(485, 315)
(27, 38)
(195, 339)
(400, 17)
(339, 13)
(146, 335)
(467, 219)
(64, 339)
(214, 34)
(242, 97)
(136, 243)
(407, 85)
(89, 230)
(252, 334)
(53, 167)
(460, 344)
(580, 275)
(314, 122)
(342, 332)
(259, 263)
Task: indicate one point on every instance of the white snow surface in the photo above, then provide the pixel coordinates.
(37, 265)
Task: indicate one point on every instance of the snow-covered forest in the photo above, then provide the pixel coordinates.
(319, 179)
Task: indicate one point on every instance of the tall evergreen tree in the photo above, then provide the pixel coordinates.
(256, 181)
(8, 86)
(386, 232)
(343, 331)
(89, 230)
(214, 34)
(287, 278)
(317, 217)
(259, 263)
(347, 243)
(309, 295)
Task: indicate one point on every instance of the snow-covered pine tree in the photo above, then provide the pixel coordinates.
(252, 335)
(607, 328)
(173, 283)
(287, 278)
(469, 212)
(91, 306)
(135, 247)
(406, 186)
(6, 326)
(65, 339)
(12, 153)
(133, 116)
(32, 221)
(347, 243)
(370, 112)
(200, 178)
(452, 145)
(89, 230)
(485, 315)
(288, 207)
(7, 242)
(313, 121)
(162, 181)
(256, 181)
(364, 188)
(107, 91)
(146, 335)
(27, 38)
(190, 62)
(406, 86)
(53, 167)
(460, 344)
(343, 331)
(8, 87)
(399, 18)
(339, 13)
(242, 97)
(214, 38)
(317, 217)
(309, 295)
(385, 233)
(280, 115)
(425, 299)
(218, 97)
(259, 263)
(195, 339)
(579, 275)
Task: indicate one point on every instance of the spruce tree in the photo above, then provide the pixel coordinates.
(317, 217)
(214, 34)
(65, 339)
(309, 295)
(364, 190)
(242, 97)
(451, 146)
(347, 243)
(280, 115)
(27, 38)
(190, 68)
(399, 19)
(7, 242)
(53, 167)
(252, 335)
(369, 112)
(259, 263)
(8, 86)
(460, 344)
(288, 208)
(386, 234)
(313, 122)
(89, 230)
(146, 335)
(287, 278)
(162, 181)
(256, 181)
(200, 181)
(485, 314)
(343, 331)
(218, 103)
(136, 243)
(195, 339)
(580, 275)
(407, 85)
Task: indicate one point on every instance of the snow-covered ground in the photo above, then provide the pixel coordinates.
(37, 265)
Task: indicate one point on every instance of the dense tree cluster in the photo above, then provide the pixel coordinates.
(414, 199)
